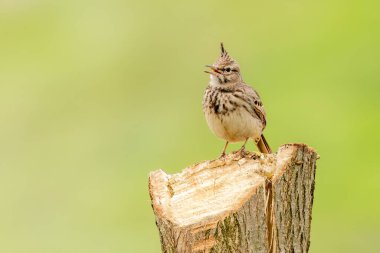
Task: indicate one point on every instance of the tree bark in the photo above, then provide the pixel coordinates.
(241, 203)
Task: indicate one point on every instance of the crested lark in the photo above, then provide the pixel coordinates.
(233, 110)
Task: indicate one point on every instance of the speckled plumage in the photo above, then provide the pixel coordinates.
(233, 109)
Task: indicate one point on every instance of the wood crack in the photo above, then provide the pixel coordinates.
(269, 215)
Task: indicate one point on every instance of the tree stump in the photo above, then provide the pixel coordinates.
(242, 203)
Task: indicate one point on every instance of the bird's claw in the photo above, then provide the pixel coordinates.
(241, 152)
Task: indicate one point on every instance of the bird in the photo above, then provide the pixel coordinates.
(233, 110)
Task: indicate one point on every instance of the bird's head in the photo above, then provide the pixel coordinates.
(225, 71)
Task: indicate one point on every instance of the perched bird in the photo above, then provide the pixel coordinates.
(233, 109)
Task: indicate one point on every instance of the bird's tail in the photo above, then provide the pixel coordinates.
(263, 145)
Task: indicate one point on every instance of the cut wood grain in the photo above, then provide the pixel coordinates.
(242, 203)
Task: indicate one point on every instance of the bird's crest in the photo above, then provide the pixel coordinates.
(224, 58)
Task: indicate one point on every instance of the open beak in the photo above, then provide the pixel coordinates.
(213, 70)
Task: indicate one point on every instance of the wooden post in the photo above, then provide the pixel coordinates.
(241, 203)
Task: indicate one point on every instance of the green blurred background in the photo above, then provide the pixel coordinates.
(95, 94)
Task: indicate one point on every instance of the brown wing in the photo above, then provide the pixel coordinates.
(256, 103)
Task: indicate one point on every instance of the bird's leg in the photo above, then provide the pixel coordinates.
(242, 149)
(224, 150)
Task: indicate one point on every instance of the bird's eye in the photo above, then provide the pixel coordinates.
(228, 69)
